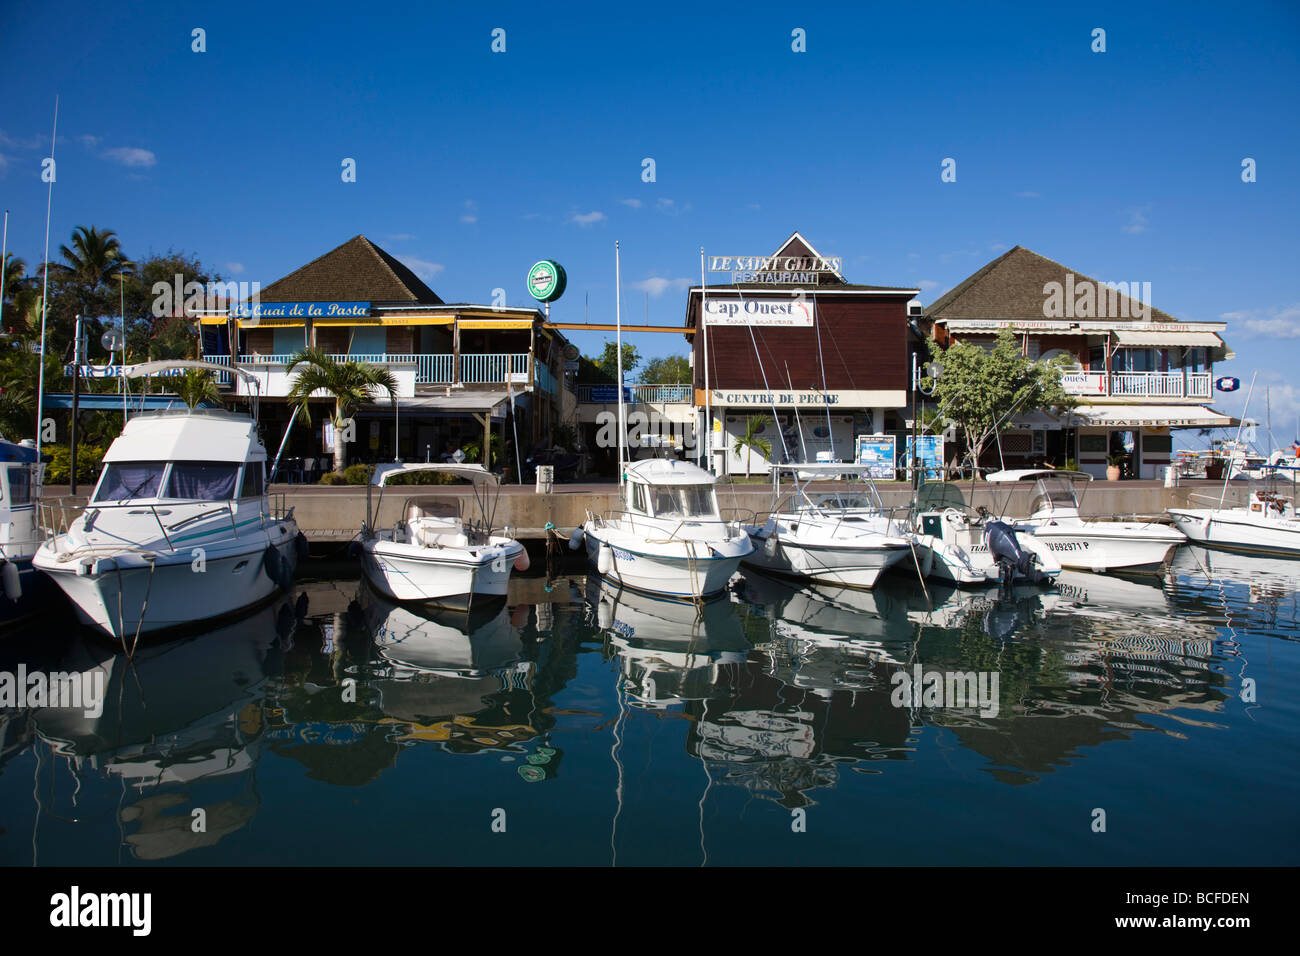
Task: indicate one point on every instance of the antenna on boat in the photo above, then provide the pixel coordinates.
(1227, 470)
(830, 431)
(708, 395)
(618, 352)
(45, 281)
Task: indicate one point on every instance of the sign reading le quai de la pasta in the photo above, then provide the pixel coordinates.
(758, 311)
(301, 310)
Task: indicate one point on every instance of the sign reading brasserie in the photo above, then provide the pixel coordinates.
(778, 270)
(758, 311)
(304, 310)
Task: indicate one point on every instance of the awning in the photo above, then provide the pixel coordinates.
(1036, 421)
(476, 324)
(457, 404)
(369, 321)
(269, 323)
(417, 319)
(214, 320)
(1186, 339)
(1141, 416)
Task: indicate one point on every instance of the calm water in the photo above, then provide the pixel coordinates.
(618, 729)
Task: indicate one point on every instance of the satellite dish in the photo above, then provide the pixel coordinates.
(113, 340)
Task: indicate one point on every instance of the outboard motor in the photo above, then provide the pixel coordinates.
(1011, 558)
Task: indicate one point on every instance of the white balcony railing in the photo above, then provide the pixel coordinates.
(1175, 384)
(429, 369)
(645, 394)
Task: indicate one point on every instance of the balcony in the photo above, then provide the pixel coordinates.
(638, 394)
(1161, 385)
(410, 370)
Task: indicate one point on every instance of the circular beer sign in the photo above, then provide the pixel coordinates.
(546, 280)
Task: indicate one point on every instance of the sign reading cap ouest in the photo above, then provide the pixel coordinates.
(546, 280)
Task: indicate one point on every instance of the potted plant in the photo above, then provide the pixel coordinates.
(1113, 465)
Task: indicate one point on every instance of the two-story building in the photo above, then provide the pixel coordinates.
(1138, 372)
(790, 339)
(461, 368)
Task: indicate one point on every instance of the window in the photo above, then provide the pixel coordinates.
(202, 480)
(20, 485)
(252, 487)
(1097, 359)
(637, 498)
(684, 501)
(130, 479)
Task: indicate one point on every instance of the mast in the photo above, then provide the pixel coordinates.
(45, 281)
(708, 395)
(618, 349)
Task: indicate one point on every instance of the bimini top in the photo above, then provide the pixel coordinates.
(473, 473)
(205, 434)
(1030, 474)
(668, 471)
(16, 451)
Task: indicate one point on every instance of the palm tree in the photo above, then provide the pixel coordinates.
(196, 386)
(350, 384)
(91, 265)
(14, 270)
(750, 440)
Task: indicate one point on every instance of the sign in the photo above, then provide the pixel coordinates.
(546, 280)
(847, 400)
(929, 454)
(113, 371)
(571, 366)
(776, 270)
(608, 394)
(571, 353)
(1084, 383)
(877, 452)
(758, 311)
(1227, 383)
(301, 310)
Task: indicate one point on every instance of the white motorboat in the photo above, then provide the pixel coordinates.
(839, 537)
(1266, 524)
(952, 545)
(180, 528)
(1087, 544)
(23, 589)
(670, 538)
(433, 553)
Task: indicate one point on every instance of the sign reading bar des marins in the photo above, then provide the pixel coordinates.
(301, 310)
(758, 311)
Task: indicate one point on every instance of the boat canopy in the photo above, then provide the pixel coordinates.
(668, 471)
(1032, 474)
(145, 369)
(199, 434)
(476, 474)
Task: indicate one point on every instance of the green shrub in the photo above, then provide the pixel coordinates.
(330, 478)
(59, 469)
(358, 474)
(423, 478)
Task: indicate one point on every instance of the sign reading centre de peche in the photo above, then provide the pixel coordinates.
(306, 310)
(758, 311)
(776, 270)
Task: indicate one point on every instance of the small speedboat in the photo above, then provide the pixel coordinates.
(433, 554)
(1267, 524)
(179, 529)
(838, 537)
(23, 589)
(1087, 544)
(669, 539)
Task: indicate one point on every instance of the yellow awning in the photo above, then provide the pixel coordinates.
(476, 324)
(271, 323)
(213, 320)
(368, 323)
(417, 319)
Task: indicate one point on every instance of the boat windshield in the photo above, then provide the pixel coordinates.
(1054, 493)
(846, 501)
(202, 480)
(683, 501)
(130, 479)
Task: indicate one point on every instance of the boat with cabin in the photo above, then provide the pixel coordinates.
(23, 589)
(1266, 524)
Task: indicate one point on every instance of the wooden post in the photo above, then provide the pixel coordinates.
(485, 420)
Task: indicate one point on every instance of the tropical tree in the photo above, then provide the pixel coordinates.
(350, 384)
(196, 386)
(608, 361)
(983, 390)
(14, 271)
(751, 442)
(669, 370)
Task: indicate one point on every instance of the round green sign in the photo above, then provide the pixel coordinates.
(546, 280)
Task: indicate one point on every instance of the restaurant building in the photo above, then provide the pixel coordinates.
(462, 369)
(789, 339)
(1139, 373)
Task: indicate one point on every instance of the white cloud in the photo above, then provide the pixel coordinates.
(1279, 322)
(658, 285)
(422, 268)
(925, 285)
(586, 218)
(89, 141)
(235, 268)
(131, 156)
(671, 207)
(1138, 220)
(471, 212)
(399, 236)
(30, 142)
(634, 203)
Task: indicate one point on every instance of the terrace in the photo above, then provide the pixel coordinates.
(1161, 385)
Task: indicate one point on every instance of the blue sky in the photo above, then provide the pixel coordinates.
(471, 165)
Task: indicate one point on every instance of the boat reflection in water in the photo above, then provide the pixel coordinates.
(181, 727)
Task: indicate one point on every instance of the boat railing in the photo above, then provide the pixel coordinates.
(57, 516)
(660, 524)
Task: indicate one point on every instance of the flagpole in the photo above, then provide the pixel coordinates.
(45, 281)
(708, 395)
(618, 325)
